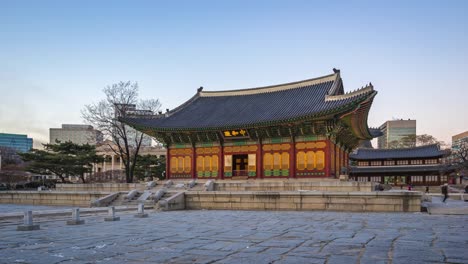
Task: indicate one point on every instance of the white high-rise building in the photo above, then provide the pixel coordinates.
(78, 134)
(395, 130)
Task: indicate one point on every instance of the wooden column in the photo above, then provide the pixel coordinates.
(194, 162)
(259, 159)
(337, 172)
(168, 163)
(328, 158)
(292, 158)
(221, 162)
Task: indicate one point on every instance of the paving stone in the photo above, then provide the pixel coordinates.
(243, 237)
(342, 259)
(299, 260)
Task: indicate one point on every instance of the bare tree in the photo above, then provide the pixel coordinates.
(425, 139)
(121, 101)
(411, 141)
(460, 156)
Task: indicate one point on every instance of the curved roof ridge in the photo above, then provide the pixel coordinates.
(271, 88)
(432, 150)
(182, 106)
(358, 92)
(403, 149)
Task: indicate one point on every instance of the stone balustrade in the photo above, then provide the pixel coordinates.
(99, 187)
(295, 185)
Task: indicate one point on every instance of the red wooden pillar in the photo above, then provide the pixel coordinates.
(259, 159)
(168, 163)
(194, 163)
(347, 159)
(221, 162)
(328, 158)
(335, 150)
(339, 160)
(292, 159)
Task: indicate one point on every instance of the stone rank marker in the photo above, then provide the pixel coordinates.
(111, 216)
(28, 223)
(141, 211)
(75, 218)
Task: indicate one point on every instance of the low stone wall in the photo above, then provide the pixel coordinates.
(305, 201)
(296, 185)
(99, 187)
(80, 199)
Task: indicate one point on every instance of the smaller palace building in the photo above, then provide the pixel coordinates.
(416, 166)
(303, 129)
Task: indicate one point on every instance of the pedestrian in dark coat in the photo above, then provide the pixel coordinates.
(445, 192)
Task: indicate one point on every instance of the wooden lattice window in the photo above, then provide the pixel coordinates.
(214, 163)
(320, 156)
(301, 160)
(276, 161)
(207, 163)
(285, 161)
(180, 164)
(173, 165)
(310, 160)
(187, 164)
(267, 161)
(252, 162)
(200, 163)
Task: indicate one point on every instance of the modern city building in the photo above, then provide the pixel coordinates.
(458, 139)
(394, 130)
(78, 134)
(17, 142)
(416, 166)
(303, 129)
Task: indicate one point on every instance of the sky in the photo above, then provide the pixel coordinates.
(57, 56)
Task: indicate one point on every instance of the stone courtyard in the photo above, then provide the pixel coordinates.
(243, 237)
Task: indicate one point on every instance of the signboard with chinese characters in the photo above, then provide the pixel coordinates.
(235, 133)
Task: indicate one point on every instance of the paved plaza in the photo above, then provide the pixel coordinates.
(244, 237)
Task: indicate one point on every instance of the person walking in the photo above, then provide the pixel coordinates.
(445, 192)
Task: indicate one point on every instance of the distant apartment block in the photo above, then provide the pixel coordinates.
(78, 134)
(18, 142)
(458, 139)
(395, 130)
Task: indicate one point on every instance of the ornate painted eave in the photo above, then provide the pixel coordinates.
(357, 119)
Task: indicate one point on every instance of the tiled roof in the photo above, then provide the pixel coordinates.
(248, 107)
(428, 151)
(394, 169)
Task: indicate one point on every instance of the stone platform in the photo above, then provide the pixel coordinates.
(306, 200)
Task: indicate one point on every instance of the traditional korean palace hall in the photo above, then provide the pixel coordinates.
(416, 166)
(303, 129)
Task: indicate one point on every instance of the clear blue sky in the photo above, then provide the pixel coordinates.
(57, 56)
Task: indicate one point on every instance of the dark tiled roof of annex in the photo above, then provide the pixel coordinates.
(248, 107)
(429, 151)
